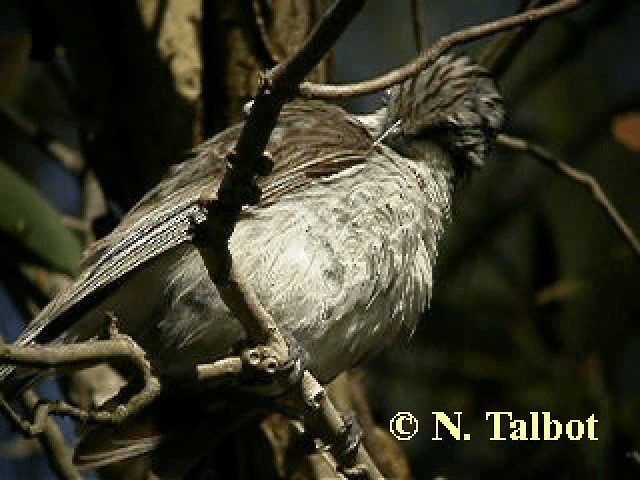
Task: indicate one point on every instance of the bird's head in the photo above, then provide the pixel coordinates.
(454, 103)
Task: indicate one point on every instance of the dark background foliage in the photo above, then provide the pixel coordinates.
(537, 296)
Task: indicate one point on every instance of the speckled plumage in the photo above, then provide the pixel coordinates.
(340, 249)
(343, 264)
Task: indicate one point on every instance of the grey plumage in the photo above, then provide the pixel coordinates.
(455, 103)
(340, 249)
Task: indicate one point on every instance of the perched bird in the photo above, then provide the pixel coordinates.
(340, 249)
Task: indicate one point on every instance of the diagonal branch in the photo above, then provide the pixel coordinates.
(280, 83)
(444, 44)
(238, 188)
(247, 160)
(579, 177)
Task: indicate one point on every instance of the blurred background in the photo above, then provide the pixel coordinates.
(537, 298)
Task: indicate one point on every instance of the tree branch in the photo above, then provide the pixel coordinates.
(247, 160)
(444, 44)
(280, 83)
(50, 437)
(266, 51)
(80, 355)
(579, 177)
(238, 188)
(418, 26)
(59, 455)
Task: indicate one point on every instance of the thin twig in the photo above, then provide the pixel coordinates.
(220, 368)
(50, 436)
(444, 44)
(267, 52)
(69, 157)
(80, 355)
(579, 177)
(59, 455)
(77, 224)
(280, 84)
(418, 27)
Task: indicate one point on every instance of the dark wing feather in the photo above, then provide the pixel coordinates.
(312, 140)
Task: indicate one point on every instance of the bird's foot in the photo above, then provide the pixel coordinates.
(348, 439)
(272, 369)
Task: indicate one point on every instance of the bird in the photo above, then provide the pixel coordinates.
(340, 248)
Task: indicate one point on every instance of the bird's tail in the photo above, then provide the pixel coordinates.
(167, 434)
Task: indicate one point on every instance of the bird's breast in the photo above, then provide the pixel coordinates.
(347, 263)
(344, 265)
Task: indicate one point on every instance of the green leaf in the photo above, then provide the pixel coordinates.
(27, 217)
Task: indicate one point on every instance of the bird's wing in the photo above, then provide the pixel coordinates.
(312, 140)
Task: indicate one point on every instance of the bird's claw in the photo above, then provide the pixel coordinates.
(267, 371)
(298, 359)
(348, 440)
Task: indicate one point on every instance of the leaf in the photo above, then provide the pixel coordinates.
(27, 217)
